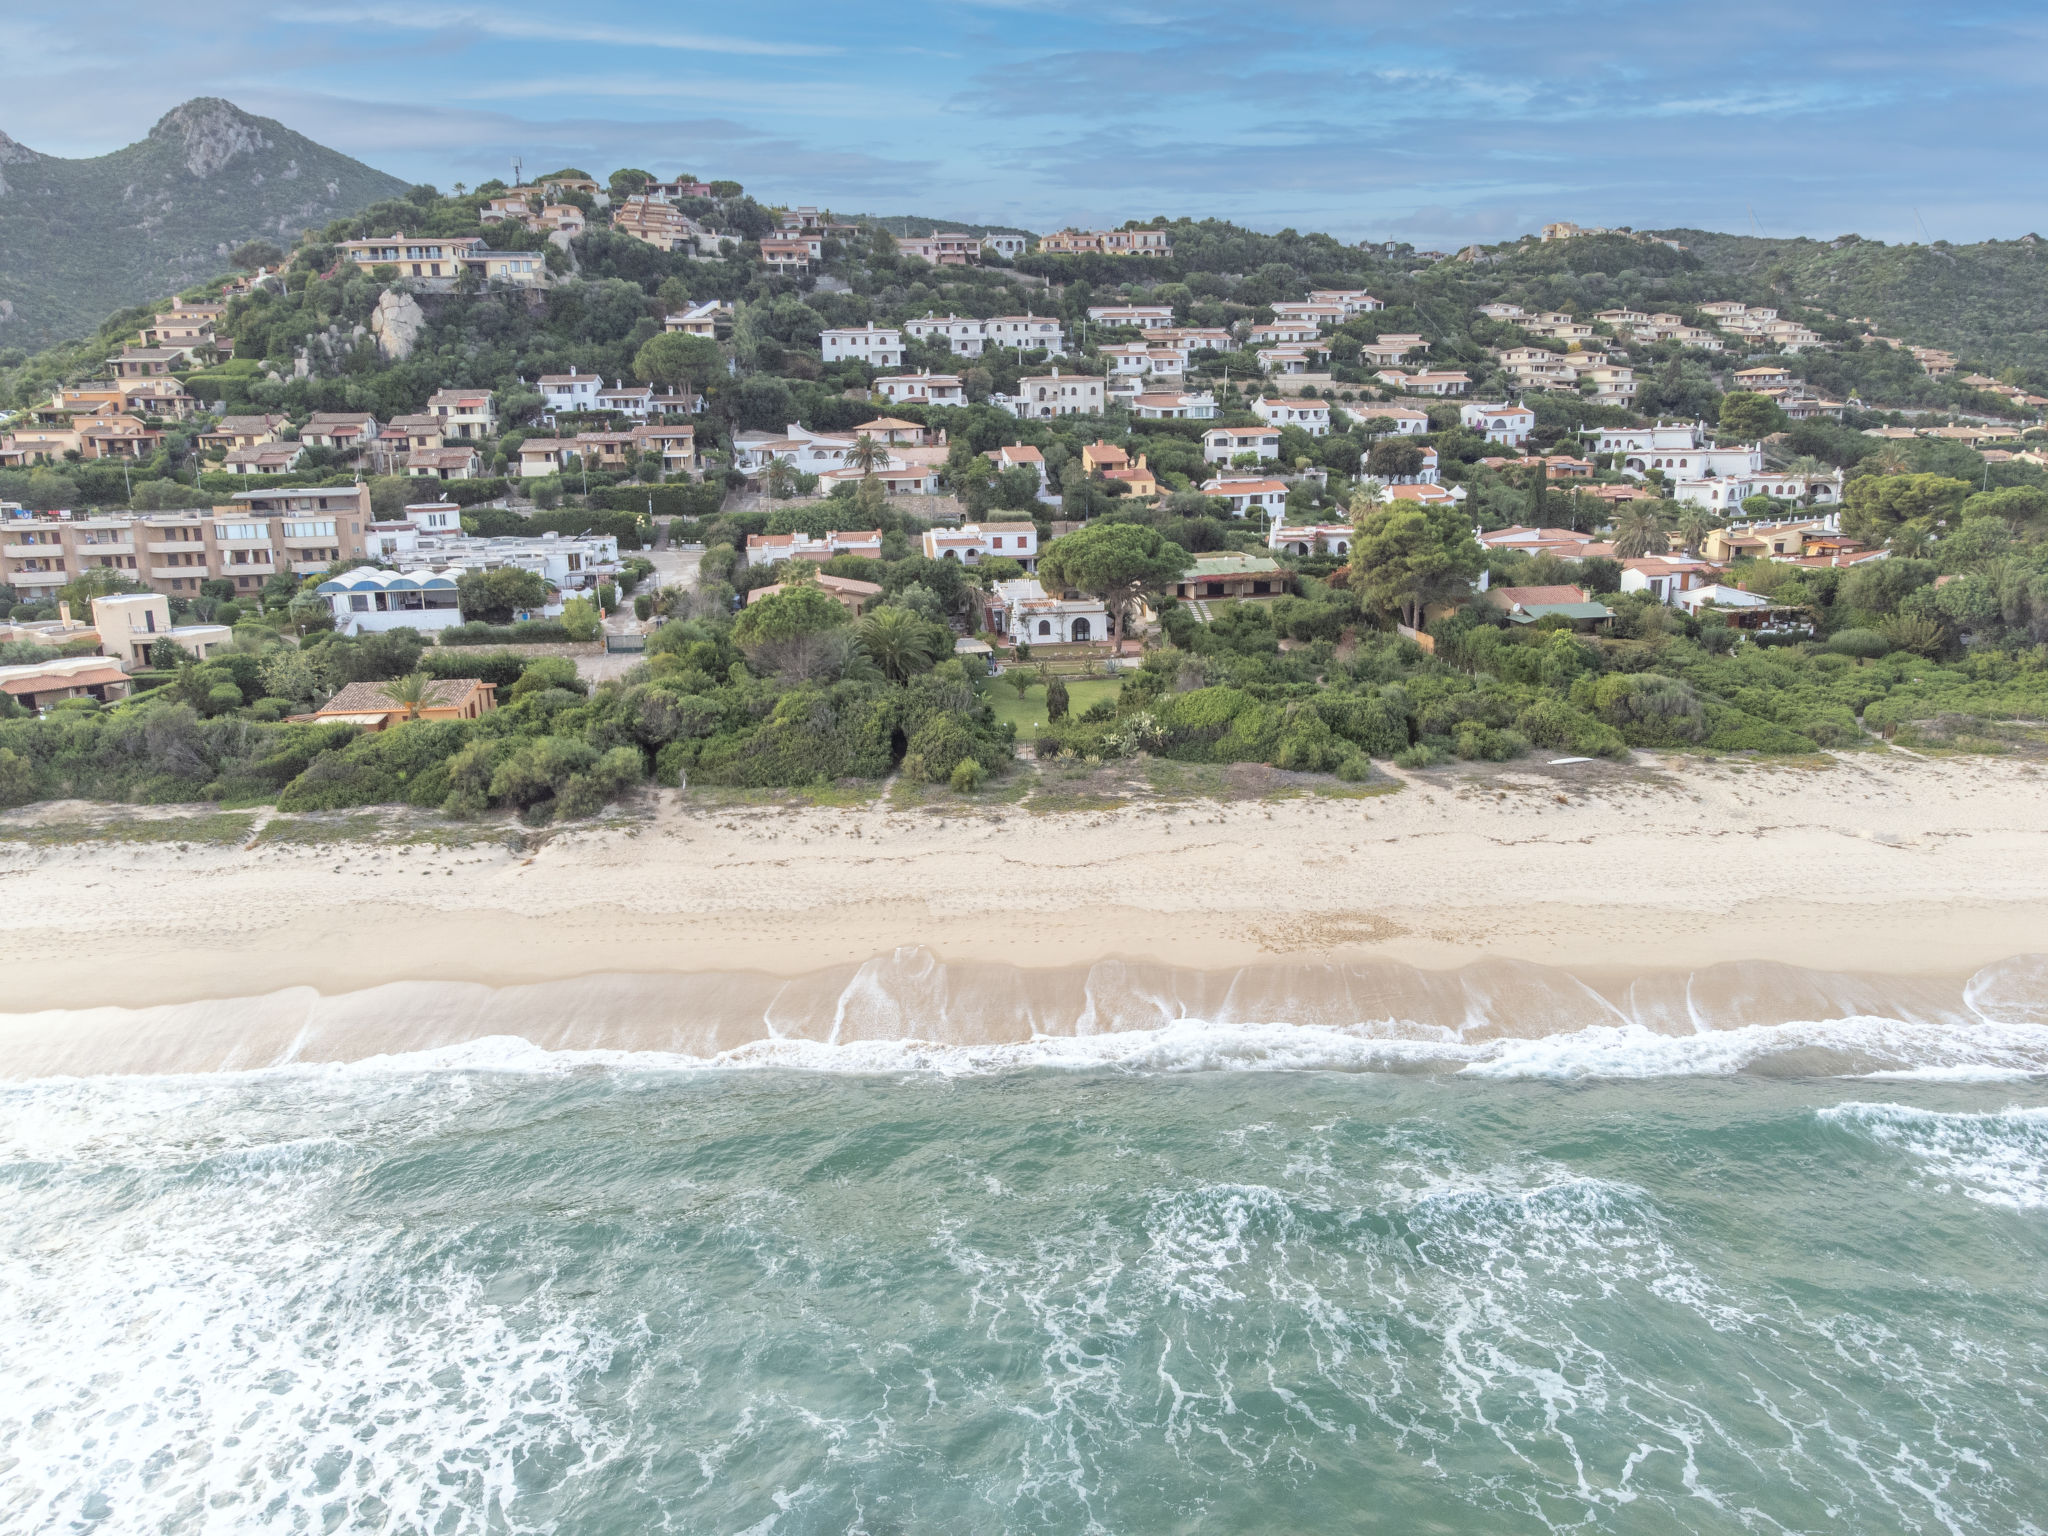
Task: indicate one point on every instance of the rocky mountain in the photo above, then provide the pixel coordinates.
(79, 238)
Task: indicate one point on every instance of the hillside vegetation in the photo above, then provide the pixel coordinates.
(1988, 300)
(79, 238)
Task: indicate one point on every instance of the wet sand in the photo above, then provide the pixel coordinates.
(1527, 898)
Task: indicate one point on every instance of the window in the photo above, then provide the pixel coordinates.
(239, 531)
(322, 530)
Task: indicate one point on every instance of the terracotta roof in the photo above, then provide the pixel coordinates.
(370, 698)
(1509, 597)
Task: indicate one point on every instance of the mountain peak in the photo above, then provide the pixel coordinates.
(12, 153)
(211, 132)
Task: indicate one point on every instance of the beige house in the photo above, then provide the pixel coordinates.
(131, 623)
(464, 413)
(370, 705)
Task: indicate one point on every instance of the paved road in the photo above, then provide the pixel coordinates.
(672, 568)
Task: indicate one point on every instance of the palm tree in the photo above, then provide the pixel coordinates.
(411, 693)
(1890, 459)
(866, 455)
(897, 641)
(781, 478)
(1639, 532)
(1693, 526)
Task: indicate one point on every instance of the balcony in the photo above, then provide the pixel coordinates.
(22, 579)
(90, 551)
(193, 546)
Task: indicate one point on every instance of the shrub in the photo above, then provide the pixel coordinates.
(1422, 755)
(940, 746)
(1866, 643)
(1650, 708)
(1355, 769)
(545, 672)
(1056, 699)
(527, 631)
(968, 776)
(17, 778)
(1557, 726)
(605, 780)
(539, 770)
(580, 619)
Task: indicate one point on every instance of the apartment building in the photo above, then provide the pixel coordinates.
(1147, 317)
(877, 346)
(246, 542)
(970, 337)
(653, 221)
(1154, 243)
(437, 262)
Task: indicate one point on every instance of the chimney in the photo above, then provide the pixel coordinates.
(64, 614)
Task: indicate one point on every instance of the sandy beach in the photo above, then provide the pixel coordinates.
(1917, 870)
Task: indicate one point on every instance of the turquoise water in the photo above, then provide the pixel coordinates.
(614, 1298)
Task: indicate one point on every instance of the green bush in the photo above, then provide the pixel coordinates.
(1422, 755)
(525, 632)
(1866, 643)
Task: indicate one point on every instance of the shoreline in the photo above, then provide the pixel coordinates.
(1916, 871)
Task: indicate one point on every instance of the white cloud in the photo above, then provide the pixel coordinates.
(520, 28)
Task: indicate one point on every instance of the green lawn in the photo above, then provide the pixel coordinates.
(1028, 713)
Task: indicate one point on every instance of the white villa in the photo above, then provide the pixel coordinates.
(1021, 610)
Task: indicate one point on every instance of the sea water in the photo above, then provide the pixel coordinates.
(1790, 1279)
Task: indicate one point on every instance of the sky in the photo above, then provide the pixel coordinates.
(1439, 123)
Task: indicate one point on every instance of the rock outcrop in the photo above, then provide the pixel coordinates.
(396, 322)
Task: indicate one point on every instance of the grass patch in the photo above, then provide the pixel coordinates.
(1027, 713)
(219, 830)
(846, 795)
(294, 832)
(943, 800)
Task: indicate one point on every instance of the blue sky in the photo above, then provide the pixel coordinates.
(1390, 119)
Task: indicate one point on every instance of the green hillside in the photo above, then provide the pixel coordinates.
(1987, 301)
(79, 238)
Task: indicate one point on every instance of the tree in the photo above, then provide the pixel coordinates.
(1638, 532)
(899, 642)
(1056, 702)
(1395, 458)
(411, 693)
(866, 455)
(675, 361)
(1405, 556)
(493, 597)
(799, 632)
(1117, 562)
(251, 254)
(2023, 509)
(629, 183)
(1748, 417)
(1902, 511)
(1693, 526)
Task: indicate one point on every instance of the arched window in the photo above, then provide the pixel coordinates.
(1045, 626)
